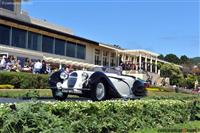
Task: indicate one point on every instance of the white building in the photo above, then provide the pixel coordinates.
(25, 37)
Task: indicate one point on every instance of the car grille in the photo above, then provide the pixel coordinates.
(71, 82)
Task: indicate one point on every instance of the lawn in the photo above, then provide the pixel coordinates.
(15, 93)
(167, 94)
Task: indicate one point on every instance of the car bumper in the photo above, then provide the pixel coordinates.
(75, 90)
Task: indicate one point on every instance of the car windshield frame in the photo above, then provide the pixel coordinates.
(114, 70)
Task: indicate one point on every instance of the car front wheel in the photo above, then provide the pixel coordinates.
(59, 95)
(98, 91)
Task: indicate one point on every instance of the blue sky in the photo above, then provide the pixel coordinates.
(162, 26)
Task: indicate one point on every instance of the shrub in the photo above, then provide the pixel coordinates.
(31, 119)
(96, 117)
(6, 87)
(24, 80)
(31, 94)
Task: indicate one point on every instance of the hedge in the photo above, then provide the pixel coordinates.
(22, 80)
(96, 117)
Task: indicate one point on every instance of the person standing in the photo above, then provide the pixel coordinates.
(44, 67)
(37, 67)
(19, 66)
(48, 68)
(3, 62)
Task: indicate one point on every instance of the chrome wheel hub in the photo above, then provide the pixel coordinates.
(100, 91)
(59, 85)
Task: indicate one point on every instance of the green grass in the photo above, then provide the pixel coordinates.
(21, 93)
(15, 93)
(164, 93)
(192, 126)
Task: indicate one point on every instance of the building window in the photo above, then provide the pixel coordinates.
(19, 38)
(105, 58)
(153, 66)
(105, 61)
(47, 44)
(34, 41)
(71, 49)
(7, 4)
(112, 55)
(59, 47)
(81, 51)
(4, 35)
(105, 53)
(127, 58)
(112, 63)
(112, 59)
(97, 57)
(132, 59)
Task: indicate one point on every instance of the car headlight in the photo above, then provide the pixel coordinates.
(64, 75)
(84, 76)
(59, 85)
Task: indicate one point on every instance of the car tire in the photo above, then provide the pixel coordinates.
(99, 91)
(59, 95)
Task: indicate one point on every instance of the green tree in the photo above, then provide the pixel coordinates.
(172, 58)
(161, 56)
(184, 59)
(173, 72)
(190, 81)
(187, 69)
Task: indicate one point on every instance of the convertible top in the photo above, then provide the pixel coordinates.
(115, 70)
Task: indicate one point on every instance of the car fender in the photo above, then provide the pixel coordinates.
(54, 78)
(97, 76)
(137, 84)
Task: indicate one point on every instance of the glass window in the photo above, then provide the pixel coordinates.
(105, 53)
(4, 35)
(71, 49)
(112, 62)
(19, 38)
(97, 59)
(7, 4)
(97, 51)
(112, 55)
(105, 62)
(47, 44)
(81, 51)
(59, 47)
(34, 41)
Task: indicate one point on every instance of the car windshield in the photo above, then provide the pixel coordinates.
(115, 70)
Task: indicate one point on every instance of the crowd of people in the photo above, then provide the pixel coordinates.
(12, 64)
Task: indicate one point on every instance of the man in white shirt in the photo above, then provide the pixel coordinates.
(3, 62)
(37, 67)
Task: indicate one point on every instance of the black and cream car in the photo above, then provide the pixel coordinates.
(100, 83)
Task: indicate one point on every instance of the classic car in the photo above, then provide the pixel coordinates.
(99, 83)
